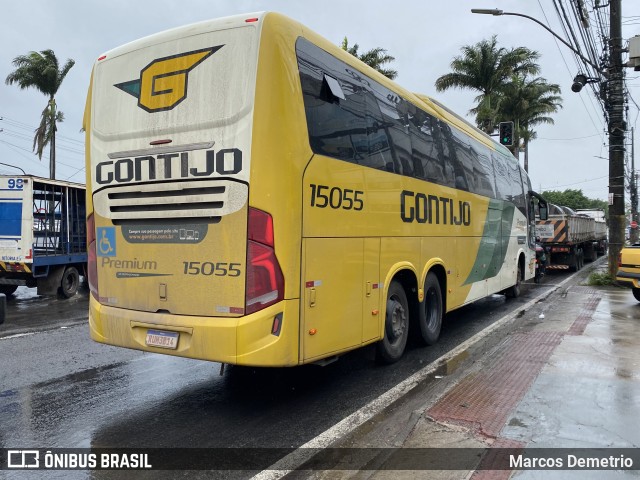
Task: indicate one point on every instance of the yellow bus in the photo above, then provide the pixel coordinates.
(258, 196)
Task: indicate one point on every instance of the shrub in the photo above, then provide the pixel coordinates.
(601, 279)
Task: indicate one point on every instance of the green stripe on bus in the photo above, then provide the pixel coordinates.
(493, 246)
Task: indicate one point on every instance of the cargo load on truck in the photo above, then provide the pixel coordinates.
(42, 235)
(570, 237)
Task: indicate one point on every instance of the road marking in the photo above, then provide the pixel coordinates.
(17, 335)
(304, 453)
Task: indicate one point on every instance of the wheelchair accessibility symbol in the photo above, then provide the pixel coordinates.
(106, 241)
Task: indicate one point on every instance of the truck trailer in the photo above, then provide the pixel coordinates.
(42, 235)
(570, 237)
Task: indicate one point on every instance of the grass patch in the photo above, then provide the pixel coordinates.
(599, 279)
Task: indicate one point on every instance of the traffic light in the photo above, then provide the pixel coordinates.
(506, 133)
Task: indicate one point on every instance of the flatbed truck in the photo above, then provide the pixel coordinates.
(42, 235)
(569, 238)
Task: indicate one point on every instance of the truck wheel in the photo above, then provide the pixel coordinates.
(8, 289)
(576, 261)
(431, 310)
(70, 282)
(514, 292)
(636, 293)
(396, 325)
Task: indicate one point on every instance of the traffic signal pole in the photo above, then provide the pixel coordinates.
(617, 129)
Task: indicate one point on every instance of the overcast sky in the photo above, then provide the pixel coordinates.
(423, 36)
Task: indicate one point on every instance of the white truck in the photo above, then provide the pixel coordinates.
(42, 235)
(570, 237)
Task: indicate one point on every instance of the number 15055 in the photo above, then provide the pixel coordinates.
(220, 269)
(335, 197)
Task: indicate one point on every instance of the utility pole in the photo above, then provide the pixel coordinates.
(617, 129)
(633, 233)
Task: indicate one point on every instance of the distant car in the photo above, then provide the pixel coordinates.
(629, 269)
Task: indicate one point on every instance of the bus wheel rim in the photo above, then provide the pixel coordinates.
(398, 319)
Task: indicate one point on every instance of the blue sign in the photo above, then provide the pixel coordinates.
(11, 219)
(106, 241)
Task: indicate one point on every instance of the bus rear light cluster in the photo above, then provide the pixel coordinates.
(265, 282)
(92, 260)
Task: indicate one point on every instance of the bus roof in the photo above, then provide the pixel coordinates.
(184, 31)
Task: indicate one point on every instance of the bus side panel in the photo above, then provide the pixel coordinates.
(334, 293)
(280, 147)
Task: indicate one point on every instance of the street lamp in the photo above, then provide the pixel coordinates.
(580, 80)
(496, 12)
(13, 166)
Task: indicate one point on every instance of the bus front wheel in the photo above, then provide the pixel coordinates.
(514, 291)
(431, 310)
(396, 325)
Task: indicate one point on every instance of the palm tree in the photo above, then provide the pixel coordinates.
(41, 71)
(375, 58)
(486, 68)
(528, 103)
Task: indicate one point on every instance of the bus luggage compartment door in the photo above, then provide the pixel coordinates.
(333, 295)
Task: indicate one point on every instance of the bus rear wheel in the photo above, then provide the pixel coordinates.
(431, 310)
(396, 325)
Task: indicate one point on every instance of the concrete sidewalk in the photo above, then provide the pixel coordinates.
(566, 375)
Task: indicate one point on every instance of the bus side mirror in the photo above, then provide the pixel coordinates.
(544, 214)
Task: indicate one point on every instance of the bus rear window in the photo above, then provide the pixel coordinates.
(189, 83)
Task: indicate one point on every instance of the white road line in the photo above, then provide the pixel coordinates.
(17, 335)
(296, 458)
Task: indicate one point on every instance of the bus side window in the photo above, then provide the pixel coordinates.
(379, 148)
(336, 125)
(423, 146)
(393, 111)
(485, 177)
(502, 177)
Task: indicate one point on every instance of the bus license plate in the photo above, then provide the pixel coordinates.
(161, 339)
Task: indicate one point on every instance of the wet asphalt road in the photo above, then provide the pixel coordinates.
(58, 389)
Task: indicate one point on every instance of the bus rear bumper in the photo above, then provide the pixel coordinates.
(244, 340)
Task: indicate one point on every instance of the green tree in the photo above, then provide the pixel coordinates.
(527, 103)
(485, 68)
(42, 71)
(574, 199)
(376, 58)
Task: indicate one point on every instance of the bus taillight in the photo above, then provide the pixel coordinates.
(265, 282)
(92, 260)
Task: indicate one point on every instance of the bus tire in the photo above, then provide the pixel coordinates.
(636, 293)
(514, 291)
(70, 282)
(431, 310)
(8, 289)
(396, 325)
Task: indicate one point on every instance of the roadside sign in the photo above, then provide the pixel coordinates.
(633, 224)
